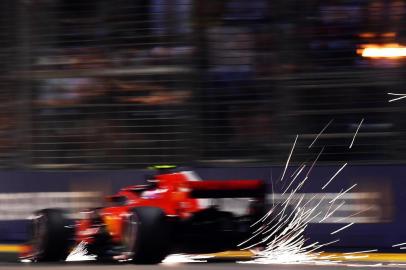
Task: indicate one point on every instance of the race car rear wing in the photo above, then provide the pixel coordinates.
(227, 189)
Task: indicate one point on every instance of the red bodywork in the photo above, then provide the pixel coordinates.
(175, 193)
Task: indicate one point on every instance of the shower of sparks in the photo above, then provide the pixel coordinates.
(331, 179)
(79, 253)
(278, 237)
(398, 245)
(342, 228)
(402, 96)
(356, 132)
(283, 234)
(290, 155)
(318, 135)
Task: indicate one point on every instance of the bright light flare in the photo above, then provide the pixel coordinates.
(382, 51)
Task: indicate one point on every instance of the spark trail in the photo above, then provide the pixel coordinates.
(342, 228)
(331, 179)
(318, 135)
(356, 132)
(401, 96)
(342, 193)
(398, 245)
(290, 155)
(361, 252)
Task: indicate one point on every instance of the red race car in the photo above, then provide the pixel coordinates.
(173, 212)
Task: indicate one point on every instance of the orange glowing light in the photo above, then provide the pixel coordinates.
(367, 35)
(390, 50)
(389, 35)
(374, 35)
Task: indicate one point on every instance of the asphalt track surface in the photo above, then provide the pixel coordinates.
(378, 261)
(194, 266)
(225, 261)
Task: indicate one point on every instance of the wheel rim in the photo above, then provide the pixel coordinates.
(130, 235)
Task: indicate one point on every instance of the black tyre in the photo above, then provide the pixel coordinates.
(50, 235)
(146, 235)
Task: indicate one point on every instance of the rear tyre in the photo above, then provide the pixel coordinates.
(146, 235)
(50, 235)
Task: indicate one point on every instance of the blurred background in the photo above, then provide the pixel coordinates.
(126, 83)
(91, 91)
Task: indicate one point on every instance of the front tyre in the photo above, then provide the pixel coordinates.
(50, 235)
(146, 235)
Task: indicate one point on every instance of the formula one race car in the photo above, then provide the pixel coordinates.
(173, 212)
